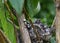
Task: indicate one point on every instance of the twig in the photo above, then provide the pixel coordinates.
(12, 23)
(11, 14)
(4, 37)
(53, 23)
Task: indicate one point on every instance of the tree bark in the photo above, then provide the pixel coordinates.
(57, 21)
(23, 30)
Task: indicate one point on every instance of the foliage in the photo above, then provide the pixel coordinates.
(32, 7)
(41, 9)
(6, 26)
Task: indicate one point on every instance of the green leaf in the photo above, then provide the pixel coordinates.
(32, 7)
(7, 27)
(17, 5)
